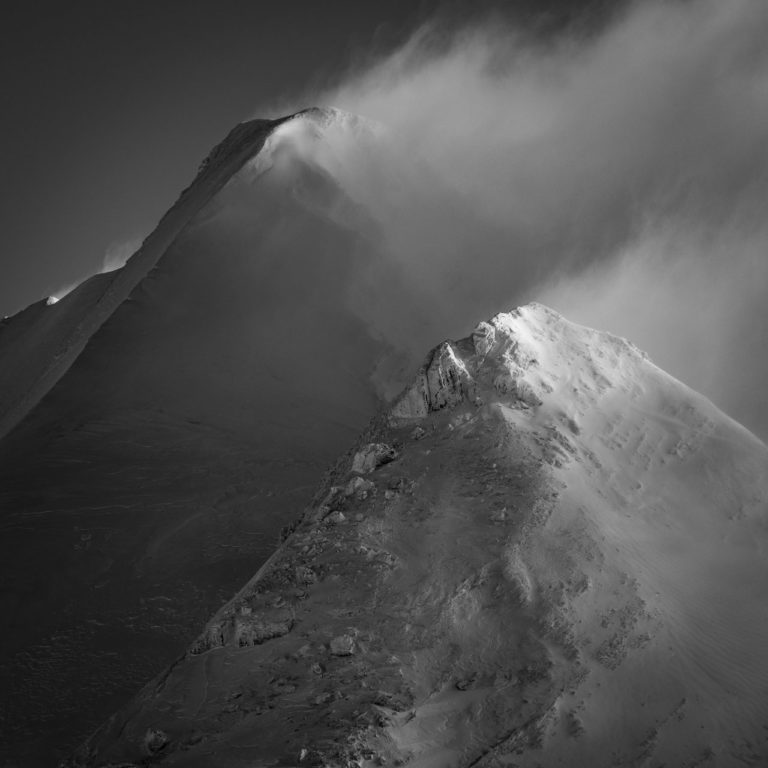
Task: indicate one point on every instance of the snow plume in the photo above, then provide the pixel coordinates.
(619, 174)
(118, 253)
(695, 297)
(64, 290)
(115, 256)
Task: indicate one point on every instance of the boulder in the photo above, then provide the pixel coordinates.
(342, 645)
(372, 456)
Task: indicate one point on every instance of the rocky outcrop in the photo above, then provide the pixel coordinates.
(372, 456)
(443, 382)
(342, 645)
(483, 338)
(245, 627)
(456, 372)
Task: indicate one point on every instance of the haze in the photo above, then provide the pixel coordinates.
(614, 170)
(622, 173)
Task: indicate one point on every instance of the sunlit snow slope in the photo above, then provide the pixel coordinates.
(167, 419)
(547, 551)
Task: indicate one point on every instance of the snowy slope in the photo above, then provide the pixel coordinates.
(545, 552)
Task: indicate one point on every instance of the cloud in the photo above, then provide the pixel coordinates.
(620, 175)
(57, 295)
(115, 256)
(118, 253)
(695, 298)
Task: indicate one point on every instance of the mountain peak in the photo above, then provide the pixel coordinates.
(521, 561)
(533, 355)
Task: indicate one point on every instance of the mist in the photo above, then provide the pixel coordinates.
(618, 175)
(118, 253)
(115, 256)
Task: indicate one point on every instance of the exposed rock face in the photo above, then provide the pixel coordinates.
(245, 626)
(155, 741)
(543, 575)
(342, 645)
(443, 382)
(483, 338)
(372, 456)
(359, 488)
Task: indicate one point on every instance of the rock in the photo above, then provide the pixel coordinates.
(214, 636)
(305, 575)
(155, 740)
(512, 382)
(448, 381)
(459, 420)
(342, 645)
(359, 488)
(335, 518)
(372, 456)
(499, 515)
(332, 498)
(483, 338)
(413, 403)
(418, 433)
(402, 485)
(323, 698)
(443, 383)
(258, 628)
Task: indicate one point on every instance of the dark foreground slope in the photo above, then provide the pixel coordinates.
(182, 411)
(547, 552)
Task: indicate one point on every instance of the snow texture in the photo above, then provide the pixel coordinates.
(564, 565)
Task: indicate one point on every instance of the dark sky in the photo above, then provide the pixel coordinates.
(109, 107)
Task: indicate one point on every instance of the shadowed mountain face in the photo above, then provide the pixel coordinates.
(545, 552)
(153, 478)
(561, 503)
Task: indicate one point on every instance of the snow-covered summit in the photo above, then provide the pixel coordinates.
(540, 360)
(546, 551)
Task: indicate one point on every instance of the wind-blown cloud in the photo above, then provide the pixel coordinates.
(620, 176)
(118, 253)
(115, 256)
(695, 298)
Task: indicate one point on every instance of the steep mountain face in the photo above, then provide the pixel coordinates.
(162, 423)
(39, 344)
(545, 552)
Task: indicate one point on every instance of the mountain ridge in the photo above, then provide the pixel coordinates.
(138, 491)
(514, 563)
(154, 475)
(221, 164)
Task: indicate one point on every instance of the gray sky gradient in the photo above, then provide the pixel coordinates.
(108, 108)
